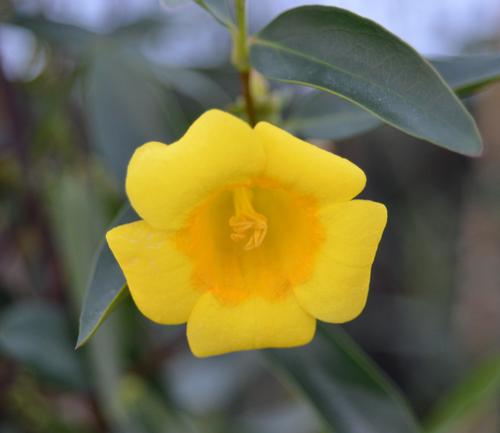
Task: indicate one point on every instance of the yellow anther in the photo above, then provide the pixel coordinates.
(246, 223)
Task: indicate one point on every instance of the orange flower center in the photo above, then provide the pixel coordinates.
(252, 239)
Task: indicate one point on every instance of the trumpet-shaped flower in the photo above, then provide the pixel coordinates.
(248, 235)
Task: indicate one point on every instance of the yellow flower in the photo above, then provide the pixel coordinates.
(248, 235)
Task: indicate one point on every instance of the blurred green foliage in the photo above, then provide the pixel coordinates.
(65, 139)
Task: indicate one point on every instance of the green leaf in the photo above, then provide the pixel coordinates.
(126, 107)
(336, 51)
(195, 85)
(350, 393)
(325, 116)
(63, 36)
(77, 217)
(36, 334)
(466, 74)
(107, 367)
(220, 10)
(481, 385)
(174, 3)
(147, 410)
(106, 286)
(79, 41)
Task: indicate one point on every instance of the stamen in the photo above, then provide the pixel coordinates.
(245, 218)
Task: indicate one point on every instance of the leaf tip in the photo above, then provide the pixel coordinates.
(477, 150)
(80, 341)
(83, 337)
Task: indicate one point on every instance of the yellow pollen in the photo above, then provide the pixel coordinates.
(246, 223)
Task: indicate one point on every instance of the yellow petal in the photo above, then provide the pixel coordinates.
(164, 183)
(215, 328)
(158, 275)
(308, 169)
(337, 290)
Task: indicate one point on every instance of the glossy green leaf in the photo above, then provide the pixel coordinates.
(466, 74)
(106, 286)
(325, 116)
(220, 10)
(37, 334)
(349, 392)
(481, 385)
(337, 51)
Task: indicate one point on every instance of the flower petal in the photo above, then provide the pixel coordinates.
(215, 328)
(308, 169)
(164, 183)
(158, 275)
(337, 290)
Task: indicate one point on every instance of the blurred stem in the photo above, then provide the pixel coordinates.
(241, 57)
(240, 36)
(17, 123)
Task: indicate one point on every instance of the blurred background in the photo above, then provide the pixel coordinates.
(82, 84)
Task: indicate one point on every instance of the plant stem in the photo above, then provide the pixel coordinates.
(247, 94)
(240, 47)
(241, 58)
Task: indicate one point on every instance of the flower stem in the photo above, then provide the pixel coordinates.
(241, 58)
(247, 94)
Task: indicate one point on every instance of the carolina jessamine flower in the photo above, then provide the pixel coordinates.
(248, 235)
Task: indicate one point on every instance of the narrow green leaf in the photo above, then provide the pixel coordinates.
(482, 384)
(336, 51)
(350, 393)
(37, 335)
(220, 10)
(106, 286)
(466, 74)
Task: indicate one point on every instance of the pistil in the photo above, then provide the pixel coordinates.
(246, 223)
